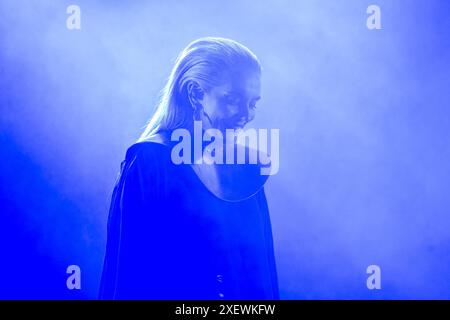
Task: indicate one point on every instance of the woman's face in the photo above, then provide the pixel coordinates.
(232, 105)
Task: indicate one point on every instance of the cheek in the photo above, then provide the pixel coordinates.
(223, 110)
(231, 110)
(212, 107)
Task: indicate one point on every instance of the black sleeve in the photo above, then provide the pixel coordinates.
(270, 247)
(140, 261)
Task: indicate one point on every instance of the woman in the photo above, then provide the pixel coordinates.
(193, 231)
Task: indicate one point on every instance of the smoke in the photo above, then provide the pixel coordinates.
(363, 118)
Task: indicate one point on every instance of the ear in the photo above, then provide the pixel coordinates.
(195, 95)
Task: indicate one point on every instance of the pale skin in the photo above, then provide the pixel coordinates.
(230, 105)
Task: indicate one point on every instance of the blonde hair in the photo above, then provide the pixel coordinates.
(205, 61)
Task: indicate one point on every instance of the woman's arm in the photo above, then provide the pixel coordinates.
(140, 260)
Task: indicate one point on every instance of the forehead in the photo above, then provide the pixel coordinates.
(243, 82)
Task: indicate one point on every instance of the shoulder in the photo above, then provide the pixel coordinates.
(147, 158)
(155, 146)
(147, 150)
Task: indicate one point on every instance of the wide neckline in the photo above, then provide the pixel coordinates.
(221, 192)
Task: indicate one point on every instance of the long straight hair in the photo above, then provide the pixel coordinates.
(205, 61)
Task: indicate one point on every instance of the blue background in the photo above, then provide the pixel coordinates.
(364, 121)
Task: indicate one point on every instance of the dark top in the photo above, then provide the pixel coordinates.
(169, 237)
